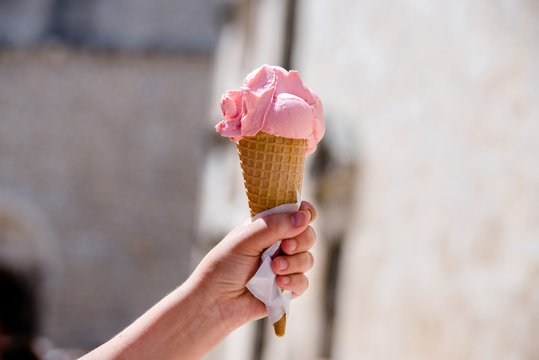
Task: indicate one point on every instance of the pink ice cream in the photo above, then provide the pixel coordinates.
(274, 101)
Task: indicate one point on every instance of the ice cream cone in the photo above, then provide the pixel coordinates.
(272, 170)
(273, 173)
(272, 100)
(280, 326)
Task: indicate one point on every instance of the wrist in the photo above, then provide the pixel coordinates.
(216, 310)
(230, 310)
(206, 320)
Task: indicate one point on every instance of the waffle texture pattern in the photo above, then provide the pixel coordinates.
(272, 170)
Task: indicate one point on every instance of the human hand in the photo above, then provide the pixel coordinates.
(224, 272)
(213, 301)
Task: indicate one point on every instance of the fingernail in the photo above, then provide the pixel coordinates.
(285, 280)
(300, 218)
(283, 264)
(292, 244)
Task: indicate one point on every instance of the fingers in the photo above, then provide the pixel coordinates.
(265, 231)
(297, 283)
(298, 263)
(307, 206)
(290, 267)
(301, 243)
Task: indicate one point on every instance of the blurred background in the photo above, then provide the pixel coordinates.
(113, 183)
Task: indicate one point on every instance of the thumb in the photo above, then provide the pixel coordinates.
(267, 230)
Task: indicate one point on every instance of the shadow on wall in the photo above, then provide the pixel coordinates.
(334, 183)
(18, 315)
(29, 263)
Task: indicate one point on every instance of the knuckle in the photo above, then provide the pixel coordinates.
(307, 239)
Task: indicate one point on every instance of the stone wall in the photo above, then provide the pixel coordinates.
(102, 105)
(164, 25)
(106, 149)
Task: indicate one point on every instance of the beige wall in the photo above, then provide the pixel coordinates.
(442, 258)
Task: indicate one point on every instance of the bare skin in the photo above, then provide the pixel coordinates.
(213, 301)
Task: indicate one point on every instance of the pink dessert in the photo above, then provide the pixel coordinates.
(274, 101)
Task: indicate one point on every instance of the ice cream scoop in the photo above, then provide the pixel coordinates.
(274, 101)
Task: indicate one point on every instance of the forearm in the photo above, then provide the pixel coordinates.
(185, 324)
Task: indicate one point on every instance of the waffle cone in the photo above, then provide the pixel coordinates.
(273, 173)
(272, 170)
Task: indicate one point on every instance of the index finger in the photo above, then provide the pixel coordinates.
(264, 232)
(305, 205)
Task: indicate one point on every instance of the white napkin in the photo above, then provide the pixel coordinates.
(262, 285)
